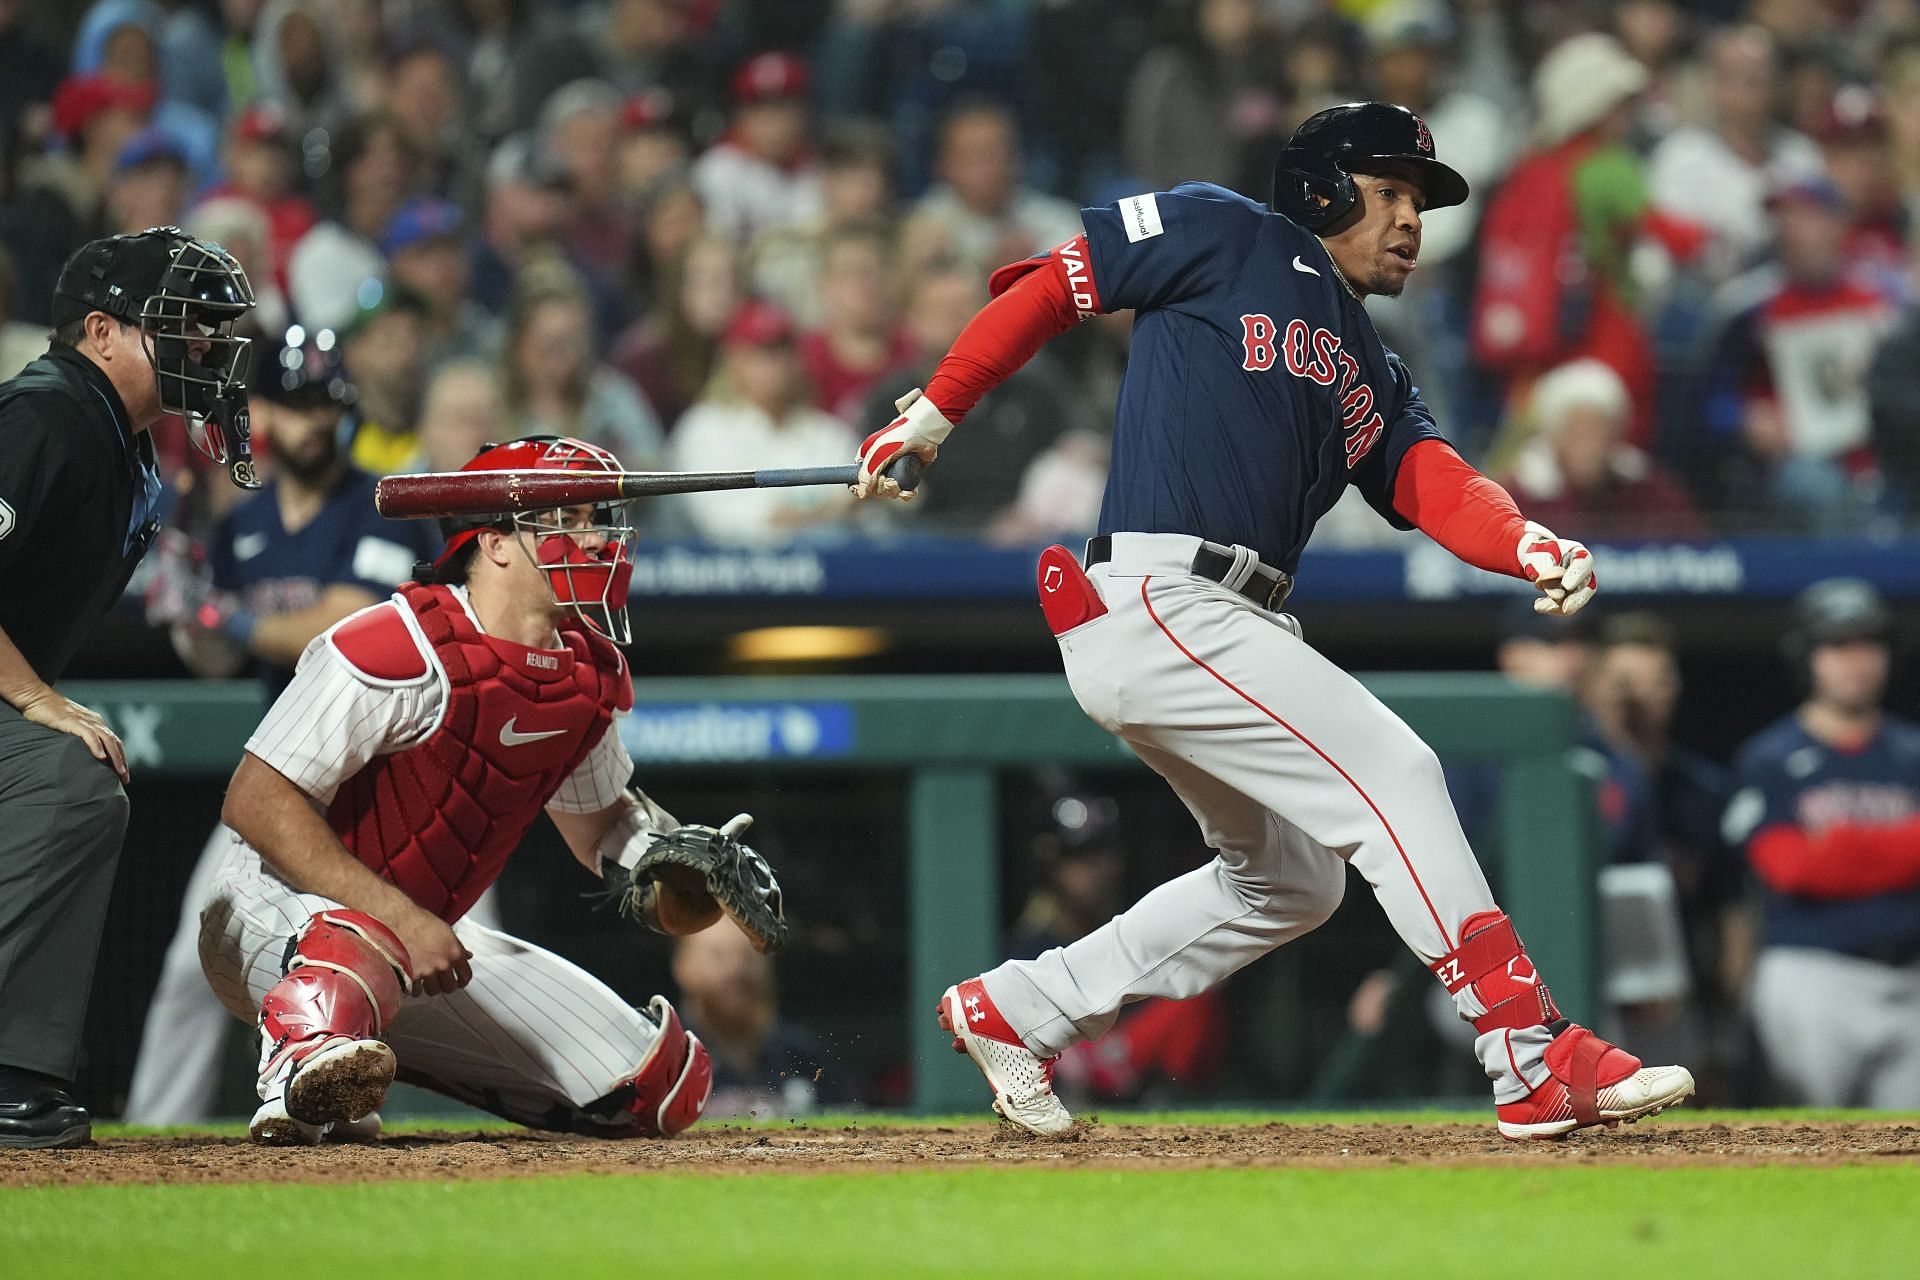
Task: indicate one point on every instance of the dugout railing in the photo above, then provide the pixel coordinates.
(951, 735)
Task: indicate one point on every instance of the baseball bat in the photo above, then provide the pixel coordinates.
(485, 493)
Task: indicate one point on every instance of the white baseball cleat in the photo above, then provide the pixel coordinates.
(1021, 1080)
(1591, 1082)
(273, 1127)
(342, 1080)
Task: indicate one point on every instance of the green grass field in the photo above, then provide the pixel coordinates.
(1559, 1221)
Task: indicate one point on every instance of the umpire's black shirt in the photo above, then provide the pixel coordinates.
(78, 488)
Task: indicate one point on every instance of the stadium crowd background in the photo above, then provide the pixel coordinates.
(722, 233)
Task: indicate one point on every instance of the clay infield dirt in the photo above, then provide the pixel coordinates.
(847, 1148)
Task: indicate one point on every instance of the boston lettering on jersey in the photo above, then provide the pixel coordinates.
(1257, 390)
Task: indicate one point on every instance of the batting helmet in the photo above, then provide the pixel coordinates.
(1834, 610)
(589, 565)
(1313, 178)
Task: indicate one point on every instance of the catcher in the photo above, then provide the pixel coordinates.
(385, 790)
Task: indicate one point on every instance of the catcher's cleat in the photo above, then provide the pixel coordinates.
(343, 1079)
(1591, 1082)
(1022, 1081)
(273, 1127)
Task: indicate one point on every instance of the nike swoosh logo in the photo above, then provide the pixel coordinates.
(509, 738)
(1301, 266)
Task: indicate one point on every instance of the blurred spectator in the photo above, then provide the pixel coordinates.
(1656, 33)
(191, 65)
(1579, 473)
(1555, 281)
(757, 414)
(763, 1065)
(762, 174)
(1210, 105)
(1852, 134)
(1893, 394)
(672, 354)
(1787, 379)
(1079, 855)
(555, 385)
(1075, 114)
(328, 274)
(426, 251)
(150, 183)
(298, 64)
(980, 213)
(652, 145)
(240, 228)
(261, 167)
(481, 38)
(426, 96)
(669, 219)
(1900, 83)
(240, 20)
(1023, 417)
(632, 44)
(526, 211)
(1718, 178)
(1828, 811)
(1320, 63)
(120, 41)
(59, 204)
(859, 338)
(856, 187)
(579, 129)
(461, 413)
(384, 345)
(29, 74)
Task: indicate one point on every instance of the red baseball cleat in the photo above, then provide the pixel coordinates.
(1591, 1082)
(1022, 1081)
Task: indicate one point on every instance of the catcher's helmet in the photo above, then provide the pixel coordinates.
(1834, 610)
(1313, 178)
(589, 566)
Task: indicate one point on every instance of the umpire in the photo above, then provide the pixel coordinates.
(143, 326)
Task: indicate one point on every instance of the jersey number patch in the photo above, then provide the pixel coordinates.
(1317, 356)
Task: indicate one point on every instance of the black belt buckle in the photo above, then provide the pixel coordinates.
(1277, 594)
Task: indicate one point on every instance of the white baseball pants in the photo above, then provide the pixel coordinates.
(1291, 768)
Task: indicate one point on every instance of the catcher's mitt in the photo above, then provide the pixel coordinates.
(689, 877)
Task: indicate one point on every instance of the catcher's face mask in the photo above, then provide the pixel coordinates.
(587, 554)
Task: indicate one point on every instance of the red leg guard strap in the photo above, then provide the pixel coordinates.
(1584, 1052)
(1492, 961)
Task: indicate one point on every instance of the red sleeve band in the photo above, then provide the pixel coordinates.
(1850, 860)
(1033, 300)
(1468, 514)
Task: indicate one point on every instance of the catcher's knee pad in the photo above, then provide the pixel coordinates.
(346, 974)
(668, 1091)
(1491, 960)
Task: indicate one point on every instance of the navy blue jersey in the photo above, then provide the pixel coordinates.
(1256, 390)
(1784, 776)
(347, 543)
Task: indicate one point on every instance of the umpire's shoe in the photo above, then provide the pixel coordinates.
(36, 1112)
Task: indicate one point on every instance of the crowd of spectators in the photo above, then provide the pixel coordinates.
(723, 232)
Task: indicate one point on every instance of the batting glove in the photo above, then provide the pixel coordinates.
(919, 429)
(177, 581)
(1561, 568)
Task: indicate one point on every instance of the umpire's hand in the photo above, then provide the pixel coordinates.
(56, 711)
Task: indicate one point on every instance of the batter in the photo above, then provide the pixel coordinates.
(1257, 391)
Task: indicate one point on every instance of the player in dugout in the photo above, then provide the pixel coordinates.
(385, 790)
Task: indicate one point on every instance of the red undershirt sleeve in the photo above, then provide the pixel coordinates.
(1034, 301)
(1849, 860)
(1468, 514)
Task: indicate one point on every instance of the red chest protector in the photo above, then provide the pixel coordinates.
(439, 819)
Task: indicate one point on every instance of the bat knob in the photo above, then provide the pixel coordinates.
(905, 471)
